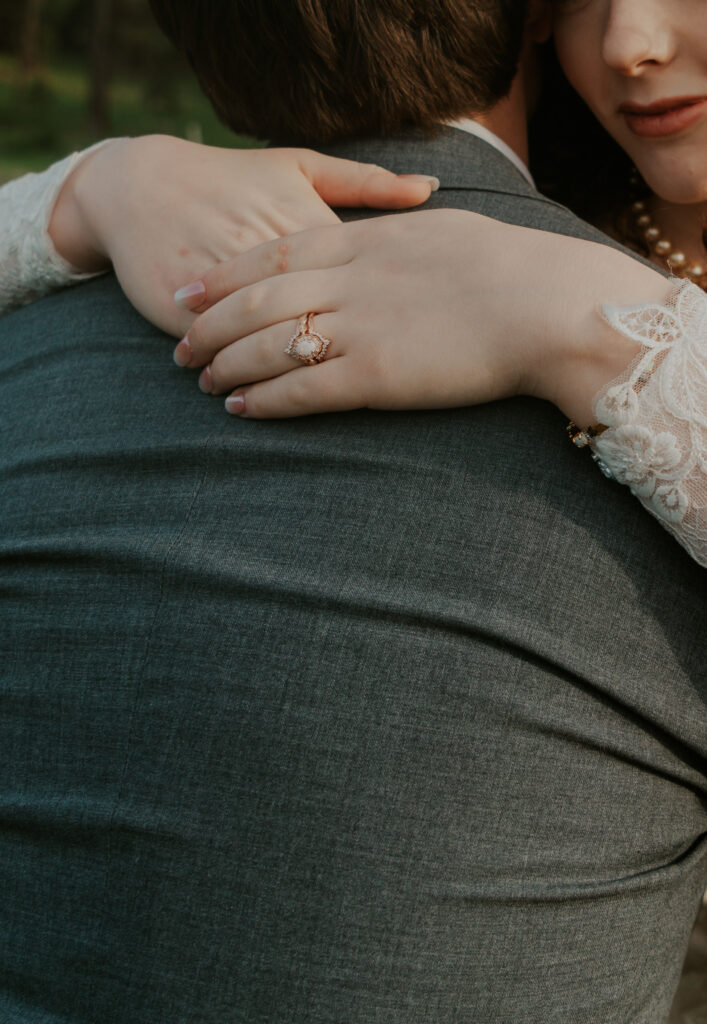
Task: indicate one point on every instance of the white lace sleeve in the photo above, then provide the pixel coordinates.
(656, 414)
(30, 266)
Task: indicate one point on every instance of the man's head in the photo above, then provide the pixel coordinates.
(317, 70)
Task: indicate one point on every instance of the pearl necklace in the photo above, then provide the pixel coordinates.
(676, 262)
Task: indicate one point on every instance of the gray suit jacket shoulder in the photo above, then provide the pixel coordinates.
(350, 719)
(467, 164)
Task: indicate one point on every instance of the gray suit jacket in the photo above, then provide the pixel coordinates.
(350, 719)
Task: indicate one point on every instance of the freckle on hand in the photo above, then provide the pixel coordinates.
(284, 263)
(184, 251)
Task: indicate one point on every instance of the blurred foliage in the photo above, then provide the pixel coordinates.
(45, 108)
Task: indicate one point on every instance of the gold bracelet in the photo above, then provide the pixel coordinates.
(582, 436)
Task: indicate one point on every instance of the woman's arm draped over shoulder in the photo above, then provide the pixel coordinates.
(30, 265)
(447, 330)
(162, 210)
(656, 414)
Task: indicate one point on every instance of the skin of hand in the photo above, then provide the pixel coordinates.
(163, 211)
(440, 308)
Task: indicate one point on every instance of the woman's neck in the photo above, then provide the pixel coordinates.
(682, 225)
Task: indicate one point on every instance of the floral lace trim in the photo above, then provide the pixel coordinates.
(656, 414)
(30, 266)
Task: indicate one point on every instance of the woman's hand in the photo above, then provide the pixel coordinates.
(164, 211)
(440, 308)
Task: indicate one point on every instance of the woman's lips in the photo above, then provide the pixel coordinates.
(666, 117)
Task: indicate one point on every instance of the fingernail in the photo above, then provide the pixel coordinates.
(185, 296)
(235, 404)
(427, 178)
(206, 383)
(183, 353)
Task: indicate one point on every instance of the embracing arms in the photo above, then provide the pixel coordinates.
(449, 308)
(442, 309)
(162, 210)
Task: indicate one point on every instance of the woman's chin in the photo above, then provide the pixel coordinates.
(677, 186)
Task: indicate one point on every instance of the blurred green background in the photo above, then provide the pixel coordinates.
(74, 71)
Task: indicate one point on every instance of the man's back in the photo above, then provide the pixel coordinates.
(374, 717)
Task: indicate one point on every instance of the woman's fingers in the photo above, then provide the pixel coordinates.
(348, 183)
(255, 308)
(259, 357)
(327, 387)
(316, 248)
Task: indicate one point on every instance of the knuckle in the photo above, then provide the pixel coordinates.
(281, 257)
(272, 347)
(254, 298)
(299, 394)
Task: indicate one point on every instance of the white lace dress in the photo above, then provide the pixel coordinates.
(656, 413)
(30, 266)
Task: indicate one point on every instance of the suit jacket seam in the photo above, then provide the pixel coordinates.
(539, 198)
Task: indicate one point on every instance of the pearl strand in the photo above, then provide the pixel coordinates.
(676, 262)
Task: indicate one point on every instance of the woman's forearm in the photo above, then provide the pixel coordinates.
(472, 310)
(574, 351)
(630, 363)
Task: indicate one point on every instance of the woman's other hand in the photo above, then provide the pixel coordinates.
(163, 210)
(436, 309)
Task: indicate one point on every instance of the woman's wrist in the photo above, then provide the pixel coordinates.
(581, 353)
(74, 224)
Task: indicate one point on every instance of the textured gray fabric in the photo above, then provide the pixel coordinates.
(357, 719)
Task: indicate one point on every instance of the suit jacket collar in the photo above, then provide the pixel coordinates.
(460, 160)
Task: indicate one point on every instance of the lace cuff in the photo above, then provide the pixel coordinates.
(30, 266)
(656, 414)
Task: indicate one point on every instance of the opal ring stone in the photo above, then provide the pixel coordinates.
(306, 344)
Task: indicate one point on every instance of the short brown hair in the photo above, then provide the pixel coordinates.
(315, 70)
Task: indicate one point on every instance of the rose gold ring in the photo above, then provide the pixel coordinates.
(306, 344)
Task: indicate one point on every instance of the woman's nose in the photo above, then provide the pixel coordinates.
(637, 35)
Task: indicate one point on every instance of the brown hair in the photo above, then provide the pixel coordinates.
(315, 70)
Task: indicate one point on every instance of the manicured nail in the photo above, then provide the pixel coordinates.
(206, 383)
(183, 353)
(427, 178)
(235, 404)
(186, 296)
